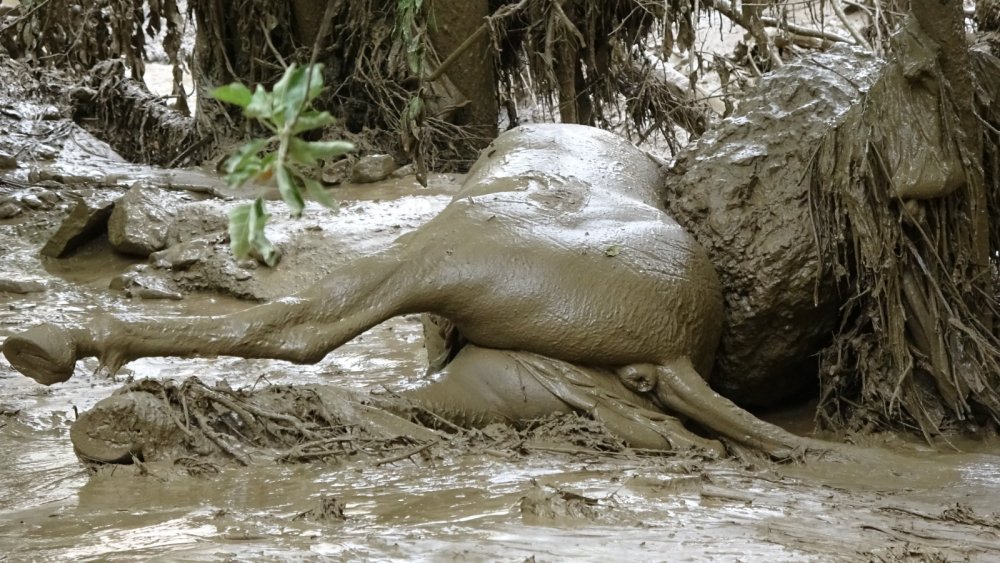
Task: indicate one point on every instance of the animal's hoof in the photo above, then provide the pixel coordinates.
(45, 353)
(120, 427)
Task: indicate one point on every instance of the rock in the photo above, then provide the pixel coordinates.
(196, 219)
(137, 282)
(336, 172)
(7, 161)
(404, 171)
(181, 256)
(32, 201)
(373, 168)
(8, 285)
(9, 209)
(141, 220)
(49, 197)
(154, 293)
(87, 220)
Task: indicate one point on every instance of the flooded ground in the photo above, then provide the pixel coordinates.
(538, 500)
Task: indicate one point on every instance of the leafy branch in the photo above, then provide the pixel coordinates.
(286, 111)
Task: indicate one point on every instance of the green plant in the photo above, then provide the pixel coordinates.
(286, 111)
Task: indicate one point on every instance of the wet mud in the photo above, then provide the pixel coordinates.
(556, 490)
(493, 495)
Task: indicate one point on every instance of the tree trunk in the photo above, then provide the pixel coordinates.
(452, 21)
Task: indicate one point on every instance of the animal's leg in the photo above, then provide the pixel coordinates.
(483, 385)
(301, 328)
(681, 389)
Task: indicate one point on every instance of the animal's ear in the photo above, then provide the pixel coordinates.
(640, 378)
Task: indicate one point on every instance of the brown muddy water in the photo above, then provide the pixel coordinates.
(465, 506)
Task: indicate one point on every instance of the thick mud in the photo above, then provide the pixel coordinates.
(509, 500)
(490, 495)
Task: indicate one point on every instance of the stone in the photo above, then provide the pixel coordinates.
(373, 168)
(137, 282)
(336, 172)
(32, 201)
(181, 256)
(8, 285)
(7, 161)
(404, 171)
(9, 209)
(88, 219)
(195, 220)
(141, 220)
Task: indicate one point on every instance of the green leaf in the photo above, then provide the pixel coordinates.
(239, 230)
(245, 165)
(291, 92)
(316, 191)
(315, 81)
(310, 152)
(260, 104)
(312, 120)
(235, 93)
(289, 189)
(244, 158)
(257, 219)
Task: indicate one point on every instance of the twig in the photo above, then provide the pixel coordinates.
(404, 455)
(173, 417)
(24, 17)
(245, 416)
(218, 441)
(503, 12)
(263, 413)
(188, 151)
(839, 10)
(726, 9)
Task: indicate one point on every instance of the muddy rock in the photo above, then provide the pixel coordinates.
(13, 285)
(32, 201)
(88, 219)
(7, 161)
(373, 168)
(138, 282)
(743, 192)
(141, 220)
(9, 209)
(337, 172)
(196, 219)
(404, 171)
(183, 255)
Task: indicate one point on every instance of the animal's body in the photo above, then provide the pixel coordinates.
(556, 249)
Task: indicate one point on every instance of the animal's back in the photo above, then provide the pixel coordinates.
(555, 245)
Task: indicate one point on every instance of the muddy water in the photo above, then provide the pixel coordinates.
(449, 506)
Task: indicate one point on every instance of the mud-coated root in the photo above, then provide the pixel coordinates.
(45, 353)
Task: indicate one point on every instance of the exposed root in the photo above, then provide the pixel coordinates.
(917, 345)
(135, 122)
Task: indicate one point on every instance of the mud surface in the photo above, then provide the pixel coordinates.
(496, 499)
(491, 495)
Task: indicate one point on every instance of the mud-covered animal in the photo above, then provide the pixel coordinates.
(556, 270)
